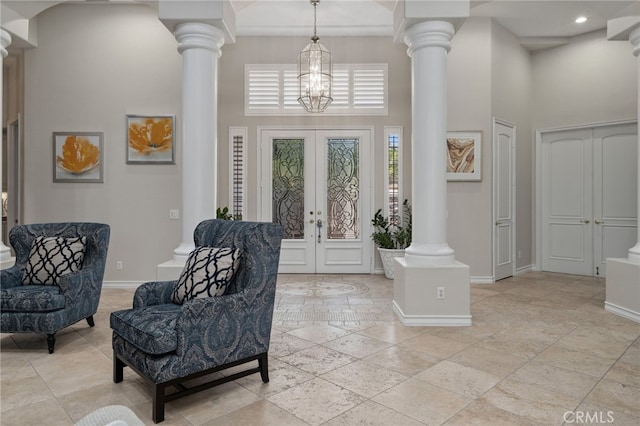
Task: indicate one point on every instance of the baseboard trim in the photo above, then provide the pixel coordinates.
(524, 269)
(622, 312)
(122, 284)
(431, 320)
(481, 280)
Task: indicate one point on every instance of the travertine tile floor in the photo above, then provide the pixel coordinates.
(541, 350)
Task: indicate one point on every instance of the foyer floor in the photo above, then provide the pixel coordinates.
(541, 350)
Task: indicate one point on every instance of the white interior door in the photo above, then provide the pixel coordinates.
(567, 202)
(589, 199)
(316, 184)
(615, 210)
(504, 145)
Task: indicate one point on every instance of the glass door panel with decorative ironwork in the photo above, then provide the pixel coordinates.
(316, 185)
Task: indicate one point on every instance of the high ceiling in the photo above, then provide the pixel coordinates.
(539, 23)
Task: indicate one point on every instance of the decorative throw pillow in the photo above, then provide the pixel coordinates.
(207, 273)
(52, 257)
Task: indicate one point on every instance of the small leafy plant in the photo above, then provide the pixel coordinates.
(223, 213)
(389, 236)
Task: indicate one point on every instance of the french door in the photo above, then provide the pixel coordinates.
(316, 184)
(589, 193)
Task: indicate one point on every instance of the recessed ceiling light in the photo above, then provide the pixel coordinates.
(581, 19)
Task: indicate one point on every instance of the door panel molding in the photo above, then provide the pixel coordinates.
(604, 157)
(504, 209)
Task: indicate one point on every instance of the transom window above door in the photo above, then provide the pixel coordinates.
(358, 89)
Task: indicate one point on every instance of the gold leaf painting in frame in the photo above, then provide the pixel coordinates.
(150, 139)
(78, 157)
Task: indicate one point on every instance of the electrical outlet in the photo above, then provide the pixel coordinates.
(174, 214)
(440, 292)
(119, 265)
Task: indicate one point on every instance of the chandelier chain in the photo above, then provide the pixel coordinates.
(315, 37)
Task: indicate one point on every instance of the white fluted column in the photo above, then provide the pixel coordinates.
(5, 41)
(200, 46)
(634, 38)
(429, 43)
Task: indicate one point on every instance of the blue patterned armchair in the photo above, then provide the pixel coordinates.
(49, 307)
(169, 344)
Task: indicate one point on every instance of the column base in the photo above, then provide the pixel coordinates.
(170, 270)
(416, 290)
(623, 288)
(7, 263)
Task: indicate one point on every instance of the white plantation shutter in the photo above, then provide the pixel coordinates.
(369, 88)
(262, 89)
(340, 88)
(291, 90)
(357, 89)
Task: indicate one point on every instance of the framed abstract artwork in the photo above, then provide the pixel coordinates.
(150, 139)
(464, 155)
(78, 157)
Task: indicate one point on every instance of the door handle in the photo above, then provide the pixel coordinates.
(598, 222)
(498, 222)
(585, 221)
(319, 225)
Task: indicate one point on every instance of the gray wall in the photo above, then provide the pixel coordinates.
(511, 83)
(590, 80)
(279, 50)
(96, 63)
(93, 65)
(469, 109)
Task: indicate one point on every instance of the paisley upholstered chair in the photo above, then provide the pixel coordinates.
(56, 279)
(216, 315)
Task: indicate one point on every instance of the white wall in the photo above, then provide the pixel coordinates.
(94, 64)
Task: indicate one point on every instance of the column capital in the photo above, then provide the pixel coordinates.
(5, 41)
(196, 35)
(429, 34)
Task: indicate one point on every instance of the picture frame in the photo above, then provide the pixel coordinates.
(150, 139)
(78, 157)
(464, 156)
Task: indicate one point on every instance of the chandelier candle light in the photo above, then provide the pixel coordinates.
(314, 73)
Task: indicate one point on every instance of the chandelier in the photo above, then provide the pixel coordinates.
(314, 73)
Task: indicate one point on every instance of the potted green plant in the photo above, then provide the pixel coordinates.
(391, 239)
(224, 214)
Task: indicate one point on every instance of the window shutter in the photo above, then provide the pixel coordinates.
(272, 89)
(263, 89)
(368, 88)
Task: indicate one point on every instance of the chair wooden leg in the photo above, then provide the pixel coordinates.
(90, 321)
(158, 403)
(263, 363)
(118, 367)
(51, 342)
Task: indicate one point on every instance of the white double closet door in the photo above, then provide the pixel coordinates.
(317, 184)
(589, 197)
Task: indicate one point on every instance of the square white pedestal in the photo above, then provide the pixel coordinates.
(623, 288)
(7, 263)
(417, 289)
(169, 271)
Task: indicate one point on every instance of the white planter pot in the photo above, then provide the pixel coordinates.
(388, 262)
